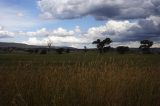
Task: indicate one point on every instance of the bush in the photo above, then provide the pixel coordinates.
(36, 51)
(43, 51)
(59, 50)
(30, 51)
(106, 49)
(122, 49)
(67, 50)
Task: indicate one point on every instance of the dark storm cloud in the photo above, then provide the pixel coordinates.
(100, 9)
(145, 12)
(147, 29)
(105, 13)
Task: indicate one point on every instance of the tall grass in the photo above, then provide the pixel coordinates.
(79, 79)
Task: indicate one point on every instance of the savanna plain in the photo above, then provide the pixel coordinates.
(79, 79)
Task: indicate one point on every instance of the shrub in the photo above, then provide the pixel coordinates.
(122, 49)
(68, 50)
(59, 50)
(43, 51)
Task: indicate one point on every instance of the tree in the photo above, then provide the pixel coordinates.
(145, 46)
(85, 48)
(101, 45)
(49, 43)
(122, 49)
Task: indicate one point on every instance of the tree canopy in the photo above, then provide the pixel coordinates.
(145, 45)
(101, 44)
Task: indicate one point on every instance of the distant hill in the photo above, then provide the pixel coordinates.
(25, 46)
(21, 45)
(17, 45)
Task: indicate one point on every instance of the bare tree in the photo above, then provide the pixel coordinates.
(85, 48)
(49, 44)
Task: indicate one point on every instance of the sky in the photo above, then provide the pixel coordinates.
(77, 23)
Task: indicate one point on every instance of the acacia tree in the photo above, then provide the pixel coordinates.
(101, 45)
(145, 46)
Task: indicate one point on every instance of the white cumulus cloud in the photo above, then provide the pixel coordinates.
(120, 31)
(4, 33)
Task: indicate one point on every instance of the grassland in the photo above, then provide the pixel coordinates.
(79, 79)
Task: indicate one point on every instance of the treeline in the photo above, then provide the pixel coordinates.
(46, 50)
(104, 46)
(35, 50)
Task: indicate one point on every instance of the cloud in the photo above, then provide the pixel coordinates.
(39, 33)
(35, 41)
(149, 29)
(100, 9)
(59, 36)
(4, 33)
(43, 32)
(122, 32)
(126, 31)
(62, 32)
(113, 29)
(72, 41)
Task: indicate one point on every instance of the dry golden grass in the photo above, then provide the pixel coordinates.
(79, 79)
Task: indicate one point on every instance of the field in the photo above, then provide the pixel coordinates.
(79, 79)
